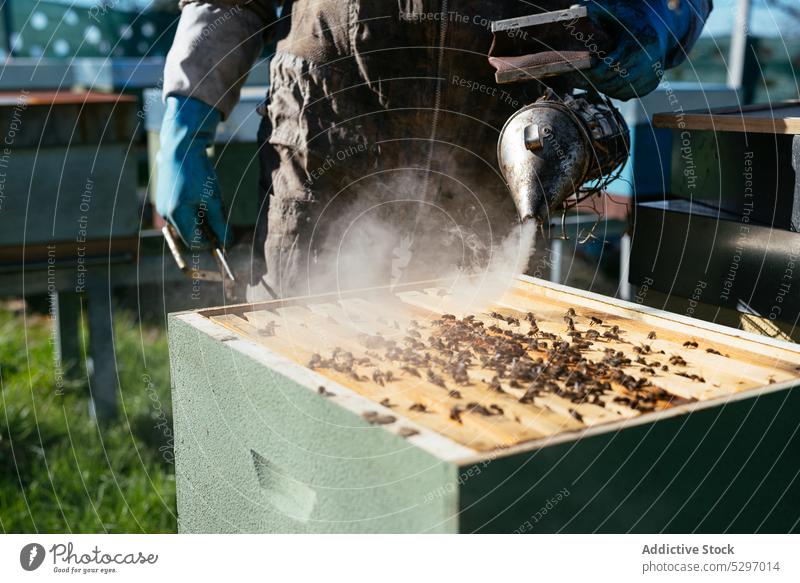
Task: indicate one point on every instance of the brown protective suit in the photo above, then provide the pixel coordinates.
(215, 45)
(385, 117)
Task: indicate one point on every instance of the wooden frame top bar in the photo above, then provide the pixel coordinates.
(781, 118)
(706, 363)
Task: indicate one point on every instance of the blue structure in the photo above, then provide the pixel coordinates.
(647, 173)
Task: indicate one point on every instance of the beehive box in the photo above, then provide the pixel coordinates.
(68, 172)
(407, 410)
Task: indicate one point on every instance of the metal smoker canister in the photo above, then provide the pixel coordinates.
(547, 150)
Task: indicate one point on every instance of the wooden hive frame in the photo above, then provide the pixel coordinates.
(298, 328)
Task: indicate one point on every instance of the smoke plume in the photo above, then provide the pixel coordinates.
(392, 236)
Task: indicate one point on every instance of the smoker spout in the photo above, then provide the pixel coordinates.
(542, 155)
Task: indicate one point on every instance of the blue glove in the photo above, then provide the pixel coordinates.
(649, 36)
(187, 193)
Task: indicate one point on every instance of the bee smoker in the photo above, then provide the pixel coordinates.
(551, 148)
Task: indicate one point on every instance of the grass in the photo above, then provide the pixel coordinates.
(61, 471)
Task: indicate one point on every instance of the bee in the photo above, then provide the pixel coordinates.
(533, 391)
(651, 335)
(460, 374)
(478, 408)
(690, 344)
(436, 379)
(690, 376)
(375, 418)
(342, 360)
(419, 408)
(406, 432)
(268, 330)
(595, 321)
(712, 351)
(412, 371)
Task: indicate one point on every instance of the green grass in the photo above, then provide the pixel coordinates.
(60, 471)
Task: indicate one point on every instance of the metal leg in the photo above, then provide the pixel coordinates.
(66, 313)
(103, 377)
(556, 251)
(796, 167)
(625, 292)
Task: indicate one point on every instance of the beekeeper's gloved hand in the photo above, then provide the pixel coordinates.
(187, 193)
(649, 37)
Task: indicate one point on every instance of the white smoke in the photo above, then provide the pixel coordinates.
(393, 237)
(476, 289)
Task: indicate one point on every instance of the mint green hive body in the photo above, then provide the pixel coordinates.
(259, 449)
